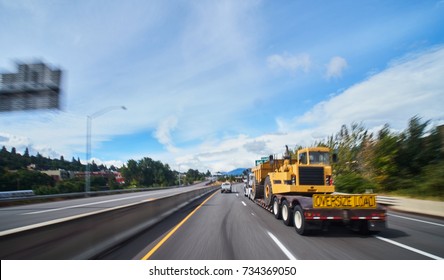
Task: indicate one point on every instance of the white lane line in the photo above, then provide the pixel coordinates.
(417, 220)
(237, 195)
(61, 220)
(409, 248)
(244, 203)
(282, 247)
(82, 205)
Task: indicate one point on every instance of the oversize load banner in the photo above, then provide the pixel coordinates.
(344, 201)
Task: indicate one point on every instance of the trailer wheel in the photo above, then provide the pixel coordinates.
(276, 208)
(364, 228)
(299, 220)
(286, 213)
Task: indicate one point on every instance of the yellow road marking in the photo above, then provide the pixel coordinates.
(158, 245)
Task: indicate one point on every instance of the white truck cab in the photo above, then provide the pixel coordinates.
(226, 187)
(248, 185)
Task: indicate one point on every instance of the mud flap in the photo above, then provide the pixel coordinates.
(368, 226)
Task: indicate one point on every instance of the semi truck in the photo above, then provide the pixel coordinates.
(300, 190)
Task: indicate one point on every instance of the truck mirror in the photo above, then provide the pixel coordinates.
(335, 158)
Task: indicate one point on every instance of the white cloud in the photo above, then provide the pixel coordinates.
(289, 62)
(163, 132)
(19, 142)
(188, 73)
(107, 163)
(411, 86)
(335, 67)
(179, 74)
(408, 87)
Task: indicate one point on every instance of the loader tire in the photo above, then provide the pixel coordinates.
(268, 192)
(257, 191)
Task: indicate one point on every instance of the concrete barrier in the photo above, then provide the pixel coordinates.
(85, 236)
(414, 206)
(10, 201)
(418, 206)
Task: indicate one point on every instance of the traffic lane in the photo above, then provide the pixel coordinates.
(339, 243)
(131, 249)
(419, 232)
(220, 229)
(19, 216)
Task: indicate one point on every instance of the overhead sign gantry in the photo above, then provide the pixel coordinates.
(35, 86)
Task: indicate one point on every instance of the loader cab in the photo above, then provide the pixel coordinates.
(322, 158)
(318, 156)
(303, 158)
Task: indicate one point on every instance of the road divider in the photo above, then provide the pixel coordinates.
(88, 235)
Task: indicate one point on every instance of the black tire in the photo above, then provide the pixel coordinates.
(268, 192)
(299, 220)
(257, 191)
(286, 213)
(276, 208)
(364, 229)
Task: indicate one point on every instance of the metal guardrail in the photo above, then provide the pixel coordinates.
(387, 200)
(86, 236)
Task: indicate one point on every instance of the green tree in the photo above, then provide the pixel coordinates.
(25, 180)
(348, 144)
(412, 157)
(26, 153)
(71, 185)
(383, 159)
(147, 172)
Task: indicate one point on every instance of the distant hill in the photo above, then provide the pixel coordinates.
(235, 172)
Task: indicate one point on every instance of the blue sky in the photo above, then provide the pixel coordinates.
(217, 84)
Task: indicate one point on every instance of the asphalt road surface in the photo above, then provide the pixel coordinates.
(228, 226)
(14, 217)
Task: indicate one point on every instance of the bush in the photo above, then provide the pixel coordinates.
(353, 183)
(46, 190)
(71, 186)
(432, 180)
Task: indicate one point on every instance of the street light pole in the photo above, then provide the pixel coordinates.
(89, 119)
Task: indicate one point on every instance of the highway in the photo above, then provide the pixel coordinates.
(16, 217)
(230, 227)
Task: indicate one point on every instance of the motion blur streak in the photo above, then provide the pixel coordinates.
(158, 245)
